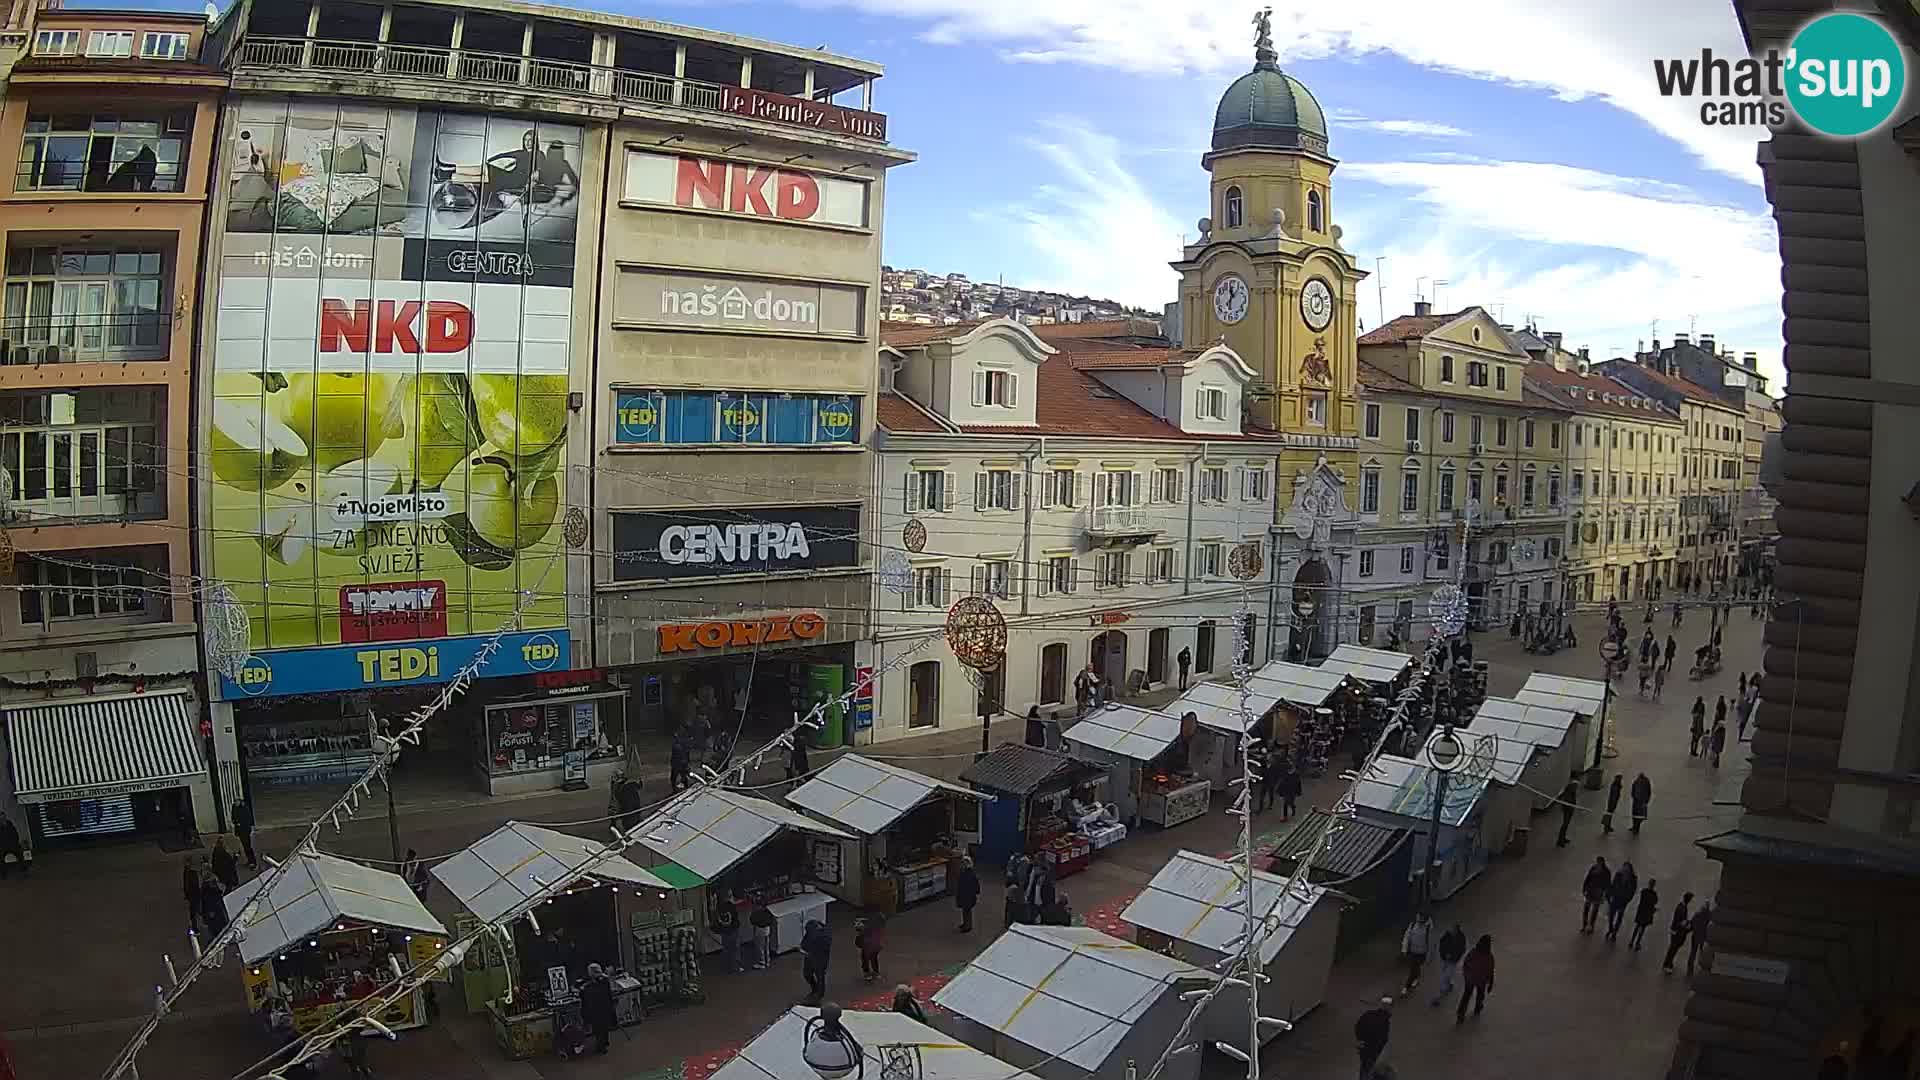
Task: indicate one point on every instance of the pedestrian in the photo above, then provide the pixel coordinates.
(816, 951)
(1289, 787)
(242, 819)
(1642, 792)
(726, 927)
(1476, 978)
(870, 936)
(1569, 798)
(213, 905)
(1040, 889)
(1453, 946)
(1672, 647)
(1016, 902)
(1083, 690)
(1716, 742)
(1643, 914)
(1370, 1034)
(966, 893)
(1743, 685)
(190, 889)
(1036, 727)
(1695, 734)
(1676, 622)
(1593, 892)
(1185, 660)
(1660, 681)
(1720, 711)
(1269, 782)
(1697, 932)
(762, 922)
(1513, 628)
(1677, 929)
(680, 764)
(11, 847)
(596, 1006)
(1619, 894)
(797, 767)
(1059, 912)
(353, 1051)
(1613, 801)
(905, 1005)
(226, 868)
(1743, 711)
(1413, 946)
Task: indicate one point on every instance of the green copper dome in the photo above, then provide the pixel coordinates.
(1267, 108)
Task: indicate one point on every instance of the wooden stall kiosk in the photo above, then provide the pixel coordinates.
(748, 851)
(1213, 748)
(1498, 755)
(1144, 752)
(595, 920)
(1586, 699)
(1399, 792)
(1034, 810)
(908, 830)
(330, 933)
(1072, 1003)
(1369, 862)
(887, 1040)
(1379, 668)
(1548, 728)
(1192, 910)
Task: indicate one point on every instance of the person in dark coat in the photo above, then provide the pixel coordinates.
(1185, 660)
(1716, 743)
(905, 1005)
(213, 906)
(1642, 795)
(1569, 798)
(1036, 727)
(226, 868)
(1370, 1034)
(869, 937)
(1453, 946)
(1269, 766)
(1016, 902)
(966, 893)
(1672, 647)
(680, 764)
(797, 767)
(1619, 894)
(1613, 801)
(11, 847)
(1593, 892)
(1476, 978)
(816, 951)
(1677, 929)
(1643, 914)
(1720, 711)
(242, 818)
(1288, 787)
(596, 1006)
(1695, 734)
(190, 889)
(1697, 932)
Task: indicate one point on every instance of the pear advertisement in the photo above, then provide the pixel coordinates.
(387, 436)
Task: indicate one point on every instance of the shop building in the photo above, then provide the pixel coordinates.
(110, 117)
(1095, 493)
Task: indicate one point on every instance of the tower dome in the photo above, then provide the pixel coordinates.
(1268, 109)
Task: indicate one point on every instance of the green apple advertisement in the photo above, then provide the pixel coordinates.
(388, 431)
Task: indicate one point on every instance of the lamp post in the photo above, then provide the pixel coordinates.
(1444, 753)
(829, 1049)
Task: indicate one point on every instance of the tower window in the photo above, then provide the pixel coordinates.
(1235, 208)
(1316, 216)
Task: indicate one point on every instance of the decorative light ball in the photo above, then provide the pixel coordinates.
(914, 536)
(1449, 609)
(1244, 561)
(576, 529)
(977, 633)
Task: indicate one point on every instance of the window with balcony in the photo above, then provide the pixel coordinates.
(104, 151)
(1120, 487)
(110, 43)
(86, 585)
(1527, 487)
(84, 455)
(159, 46)
(56, 43)
(65, 304)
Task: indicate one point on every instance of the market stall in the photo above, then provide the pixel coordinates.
(1214, 747)
(604, 907)
(1072, 1003)
(1318, 715)
(1377, 667)
(330, 933)
(1145, 754)
(1586, 699)
(1399, 792)
(1192, 910)
(1548, 728)
(886, 1040)
(748, 852)
(909, 829)
(1046, 803)
(1498, 754)
(1369, 862)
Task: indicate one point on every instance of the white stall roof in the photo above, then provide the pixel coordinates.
(1067, 991)
(1583, 696)
(868, 796)
(1509, 749)
(1546, 725)
(1404, 788)
(717, 828)
(317, 891)
(1217, 705)
(1127, 731)
(1188, 900)
(775, 1053)
(1298, 684)
(1368, 665)
(513, 862)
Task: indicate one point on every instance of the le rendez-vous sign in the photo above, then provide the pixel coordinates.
(799, 112)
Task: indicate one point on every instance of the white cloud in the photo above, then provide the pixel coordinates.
(1573, 51)
(1430, 129)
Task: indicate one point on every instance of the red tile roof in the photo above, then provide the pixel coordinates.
(1686, 388)
(1561, 386)
(1102, 328)
(1101, 355)
(1533, 397)
(906, 335)
(1407, 327)
(1374, 378)
(896, 413)
(1071, 402)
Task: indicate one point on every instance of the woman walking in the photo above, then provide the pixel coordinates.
(1476, 978)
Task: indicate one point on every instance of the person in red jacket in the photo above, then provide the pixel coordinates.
(1476, 978)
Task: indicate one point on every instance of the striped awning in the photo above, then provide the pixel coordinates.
(90, 747)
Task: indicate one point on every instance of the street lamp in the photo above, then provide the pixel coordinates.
(1444, 753)
(829, 1049)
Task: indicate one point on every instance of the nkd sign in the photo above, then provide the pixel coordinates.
(745, 188)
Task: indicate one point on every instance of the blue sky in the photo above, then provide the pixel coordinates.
(1515, 148)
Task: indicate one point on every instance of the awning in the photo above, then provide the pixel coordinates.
(1217, 705)
(316, 893)
(1297, 684)
(868, 796)
(98, 746)
(1583, 696)
(1127, 731)
(1021, 770)
(1368, 665)
(713, 830)
(513, 862)
(1405, 788)
(1194, 898)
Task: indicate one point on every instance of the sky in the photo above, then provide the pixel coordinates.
(1516, 150)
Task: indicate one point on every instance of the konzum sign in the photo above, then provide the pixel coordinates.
(749, 189)
(773, 630)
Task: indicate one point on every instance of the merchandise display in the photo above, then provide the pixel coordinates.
(1169, 798)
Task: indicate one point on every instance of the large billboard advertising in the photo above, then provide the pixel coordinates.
(388, 432)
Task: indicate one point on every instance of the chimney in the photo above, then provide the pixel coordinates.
(1752, 359)
(1423, 307)
(1553, 339)
(1706, 342)
(1680, 339)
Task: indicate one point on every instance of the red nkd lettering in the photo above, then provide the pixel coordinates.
(388, 326)
(700, 184)
(796, 196)
(747, 190)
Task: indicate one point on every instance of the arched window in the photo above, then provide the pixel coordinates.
(1235, 210)
(1316, 216)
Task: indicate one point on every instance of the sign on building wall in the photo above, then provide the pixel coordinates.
(664, 544)
(794, 629)
(390, 379)
(799, 112)
(743, 418)
(705, 302)
(746, 188)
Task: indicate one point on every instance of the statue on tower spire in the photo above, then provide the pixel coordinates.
(1263, 54)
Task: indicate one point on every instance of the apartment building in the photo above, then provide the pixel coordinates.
(1735, 379)
(110, 117)
(1459, 460)
(1095, 492)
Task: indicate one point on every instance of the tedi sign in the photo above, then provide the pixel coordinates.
(1844, 75)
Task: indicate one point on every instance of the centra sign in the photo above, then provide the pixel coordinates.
(768, 543)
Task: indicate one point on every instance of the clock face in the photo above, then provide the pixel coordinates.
(1316, 304)
(1230, 298)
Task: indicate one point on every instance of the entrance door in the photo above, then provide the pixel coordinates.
(1203, 646)
(993, 692)
(1108, 656)
(1053, 674)
(923, 694)
(1157, 654)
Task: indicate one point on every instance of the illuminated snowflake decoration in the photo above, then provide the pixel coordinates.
(1449, 609)
(1244, 561)
(914, 536)
(229, 633)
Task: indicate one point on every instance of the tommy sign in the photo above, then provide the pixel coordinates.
(745, 188)
(655, 545)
